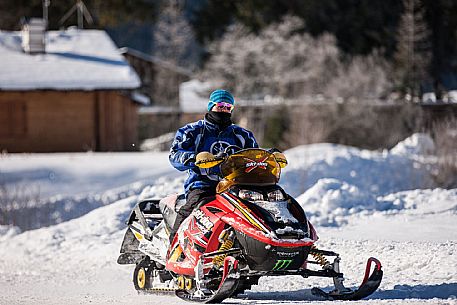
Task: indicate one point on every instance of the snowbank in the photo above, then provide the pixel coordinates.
(379, 173)
(329, 200)
(8, 231)
(335, 181)
(60, 187)
(417, 144)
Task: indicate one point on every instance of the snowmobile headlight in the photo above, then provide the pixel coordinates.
(276, 195)
(250, 195)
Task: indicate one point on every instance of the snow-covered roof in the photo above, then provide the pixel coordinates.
(74, 60)
(157, 61)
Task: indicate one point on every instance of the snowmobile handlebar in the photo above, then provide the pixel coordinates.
(207, 160)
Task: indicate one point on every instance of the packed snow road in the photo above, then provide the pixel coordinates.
(409, 227)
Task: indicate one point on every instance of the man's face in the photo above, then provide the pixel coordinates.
(223, 107)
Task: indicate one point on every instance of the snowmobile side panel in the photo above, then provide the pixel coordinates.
(201, 236)
(129, 258)
(129, 249)
(168, 208)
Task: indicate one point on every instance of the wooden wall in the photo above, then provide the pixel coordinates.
(118, 122)
(64, 121)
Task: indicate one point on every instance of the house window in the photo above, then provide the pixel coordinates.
(13, 119)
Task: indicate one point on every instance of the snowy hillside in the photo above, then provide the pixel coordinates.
(66, 186)
(363, 203)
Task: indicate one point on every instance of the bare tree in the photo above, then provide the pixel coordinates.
(16, 204)
(280, 60)
(362, 78)
(174, 38)
(174, 44)
(283, 60)
(413, 55)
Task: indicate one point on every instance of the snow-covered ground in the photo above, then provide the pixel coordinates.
(363, 203)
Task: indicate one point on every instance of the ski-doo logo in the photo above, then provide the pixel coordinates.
(252, 164)
(203, 220)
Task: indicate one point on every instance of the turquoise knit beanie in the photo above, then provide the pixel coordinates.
(218, 96)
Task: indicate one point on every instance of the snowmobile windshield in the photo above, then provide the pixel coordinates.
(251, 166)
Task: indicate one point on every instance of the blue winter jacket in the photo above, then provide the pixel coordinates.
(205, 136)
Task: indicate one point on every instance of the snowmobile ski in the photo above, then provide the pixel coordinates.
(369, 285)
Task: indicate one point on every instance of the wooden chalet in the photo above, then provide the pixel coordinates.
(72, 93)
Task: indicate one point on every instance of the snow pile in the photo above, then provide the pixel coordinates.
(417, 215)
(60, 208)
(417, 144)
(8, 231)
(329, 200)
(428, 202)
(377, 172)
(334, 181)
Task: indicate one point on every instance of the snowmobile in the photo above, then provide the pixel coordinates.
(252, 228)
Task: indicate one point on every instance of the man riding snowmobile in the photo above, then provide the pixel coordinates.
(235, 225)
(251, 228)
(212, 134)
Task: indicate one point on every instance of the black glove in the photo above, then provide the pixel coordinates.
(190, 160)
(221, 155)
(273, 150)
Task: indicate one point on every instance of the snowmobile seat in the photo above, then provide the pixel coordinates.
(153, 221)
(170, 206)
(146, 212)
(150, 209)
(149, 206)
